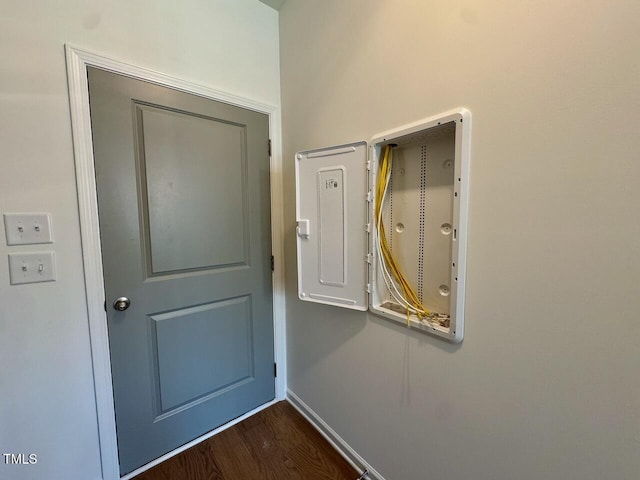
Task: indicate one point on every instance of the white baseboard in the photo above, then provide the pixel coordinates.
(333, 438)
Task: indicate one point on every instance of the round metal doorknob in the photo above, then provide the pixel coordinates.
(121, 303)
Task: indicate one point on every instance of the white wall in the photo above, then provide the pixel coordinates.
(47, 404)
(545, 384)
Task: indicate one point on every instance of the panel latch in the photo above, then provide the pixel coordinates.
(303, 228)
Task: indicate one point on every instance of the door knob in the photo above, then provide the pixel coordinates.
(121, 303)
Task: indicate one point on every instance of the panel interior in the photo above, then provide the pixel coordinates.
(418, 216)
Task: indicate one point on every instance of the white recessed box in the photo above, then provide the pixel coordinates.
(424, 216)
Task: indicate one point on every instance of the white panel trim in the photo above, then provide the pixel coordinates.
(337, 442)
(77, 62)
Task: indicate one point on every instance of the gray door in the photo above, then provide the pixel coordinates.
(183, 200)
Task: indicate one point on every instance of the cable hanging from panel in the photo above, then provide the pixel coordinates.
(394, 278)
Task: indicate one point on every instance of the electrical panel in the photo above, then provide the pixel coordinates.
(383, 226)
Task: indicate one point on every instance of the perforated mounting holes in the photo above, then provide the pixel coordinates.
(423, 210)
(390, 195)
(392, 232)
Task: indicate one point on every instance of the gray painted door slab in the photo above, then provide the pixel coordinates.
(184, 210)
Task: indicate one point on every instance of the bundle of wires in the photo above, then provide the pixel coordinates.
(399, 287)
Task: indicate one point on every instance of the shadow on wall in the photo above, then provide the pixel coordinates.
(413, 339)
(336, 326)
(308, 321)
(423, 340)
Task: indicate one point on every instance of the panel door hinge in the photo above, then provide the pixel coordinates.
(369, 288)
(369, 196)
(269, 143)
(275, 369)
(273, 264)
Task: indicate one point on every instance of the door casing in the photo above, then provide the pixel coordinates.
(77, 62)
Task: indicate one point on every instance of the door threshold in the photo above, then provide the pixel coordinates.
(196, 441)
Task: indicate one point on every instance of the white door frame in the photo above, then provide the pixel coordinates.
(77, 62)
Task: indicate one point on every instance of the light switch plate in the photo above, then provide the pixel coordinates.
(27, 228)
(32, 267)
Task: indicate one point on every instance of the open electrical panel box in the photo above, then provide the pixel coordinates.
(367, 213)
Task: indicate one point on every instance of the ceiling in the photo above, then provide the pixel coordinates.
(274, 3)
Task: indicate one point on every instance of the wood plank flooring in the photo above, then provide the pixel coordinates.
(275, 444)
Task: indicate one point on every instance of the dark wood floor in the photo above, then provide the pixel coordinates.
(275, 444)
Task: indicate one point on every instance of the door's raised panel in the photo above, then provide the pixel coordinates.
(201, 352)
(193, 190)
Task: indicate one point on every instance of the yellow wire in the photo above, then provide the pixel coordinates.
(408, 291)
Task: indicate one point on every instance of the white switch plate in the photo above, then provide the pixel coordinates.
(27, 228)
(32, 267)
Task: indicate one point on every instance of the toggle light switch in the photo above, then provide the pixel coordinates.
(27, 228)
(32, 267)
